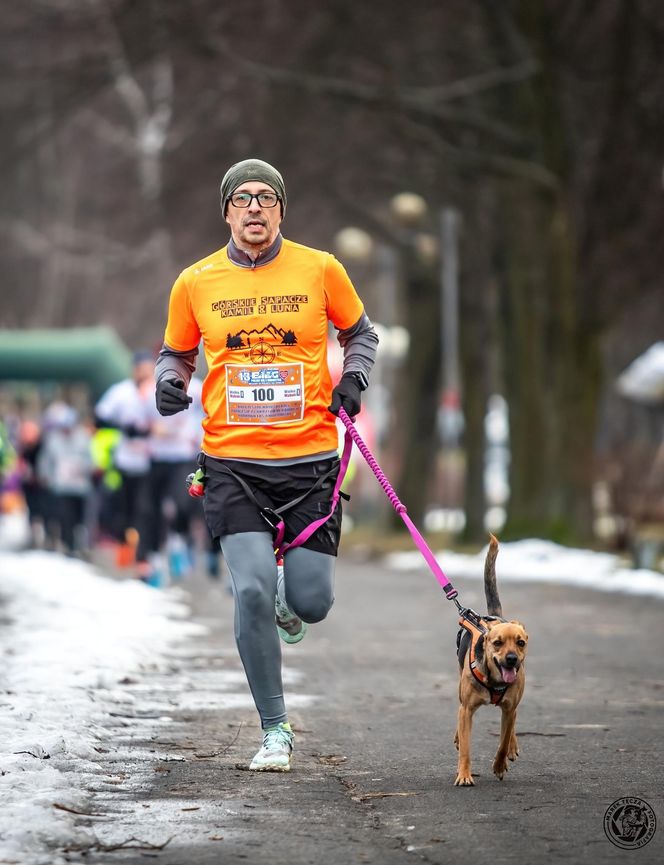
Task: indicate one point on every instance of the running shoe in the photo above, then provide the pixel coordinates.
(291, 628)
(275, 753)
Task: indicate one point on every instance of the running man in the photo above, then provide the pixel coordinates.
(262, 305)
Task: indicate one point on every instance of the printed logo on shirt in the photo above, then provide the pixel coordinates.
(267, 303)
(281, 303)
(237, 306)
(248, 339)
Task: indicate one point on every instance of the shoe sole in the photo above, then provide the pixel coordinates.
(253, 768)
(292, 638)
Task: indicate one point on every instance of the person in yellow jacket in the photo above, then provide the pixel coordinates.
(261, 306)
(107, 483)
(103, 445)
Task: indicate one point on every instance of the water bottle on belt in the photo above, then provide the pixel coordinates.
(195, 483)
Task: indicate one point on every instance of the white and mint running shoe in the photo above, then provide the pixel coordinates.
(275, 753)
(291, 628)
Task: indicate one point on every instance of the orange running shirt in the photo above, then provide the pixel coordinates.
(264, 333)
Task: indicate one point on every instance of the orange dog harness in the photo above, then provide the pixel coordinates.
(470, 639)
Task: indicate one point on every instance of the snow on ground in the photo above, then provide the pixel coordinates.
(544, 561)
(93, 669)
(68, 637)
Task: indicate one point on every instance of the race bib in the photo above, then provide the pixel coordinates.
(266, 393)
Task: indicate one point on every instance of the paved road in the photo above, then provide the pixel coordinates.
(373, 696)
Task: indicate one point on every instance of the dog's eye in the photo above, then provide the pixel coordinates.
(497, 643)
(521, 643)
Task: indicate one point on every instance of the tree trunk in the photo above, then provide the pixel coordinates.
(550, 347)
(552, 373)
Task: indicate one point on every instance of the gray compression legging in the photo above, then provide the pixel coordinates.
(309, 590)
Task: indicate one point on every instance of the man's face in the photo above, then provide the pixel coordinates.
(253, 228)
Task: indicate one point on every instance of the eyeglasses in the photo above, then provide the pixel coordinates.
(264, 199)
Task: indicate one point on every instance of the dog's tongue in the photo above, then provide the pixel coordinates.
(509, 675)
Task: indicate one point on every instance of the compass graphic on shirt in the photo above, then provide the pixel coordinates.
(261, 345)
(262, 352)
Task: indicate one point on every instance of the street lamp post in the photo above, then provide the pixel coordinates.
(451, 421)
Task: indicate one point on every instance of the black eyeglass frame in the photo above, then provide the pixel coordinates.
(257, 196)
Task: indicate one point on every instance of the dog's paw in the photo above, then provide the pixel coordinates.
(464, 780)
(499, 767)
(513, 751)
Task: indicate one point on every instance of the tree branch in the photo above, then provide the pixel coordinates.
(475, 84)
(423, 101)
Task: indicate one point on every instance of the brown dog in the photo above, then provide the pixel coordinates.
(491, 656)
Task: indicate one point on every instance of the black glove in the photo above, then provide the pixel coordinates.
(347, 395)
(171, 396)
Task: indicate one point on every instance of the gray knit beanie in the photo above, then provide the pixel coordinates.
(252, 169)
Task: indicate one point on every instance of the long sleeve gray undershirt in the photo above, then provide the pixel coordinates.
(359, 344)
(175, 365)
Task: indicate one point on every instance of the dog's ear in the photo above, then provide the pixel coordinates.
(521, 625)
(493, 623)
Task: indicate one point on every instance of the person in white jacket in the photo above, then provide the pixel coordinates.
(124, 407)
(174, 444)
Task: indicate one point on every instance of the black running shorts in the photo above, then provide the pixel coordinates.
(230, 510)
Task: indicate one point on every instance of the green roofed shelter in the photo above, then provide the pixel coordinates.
(94, 356)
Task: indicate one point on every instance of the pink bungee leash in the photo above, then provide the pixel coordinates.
(400, 508)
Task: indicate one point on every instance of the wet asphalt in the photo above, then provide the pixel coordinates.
(373, 696)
